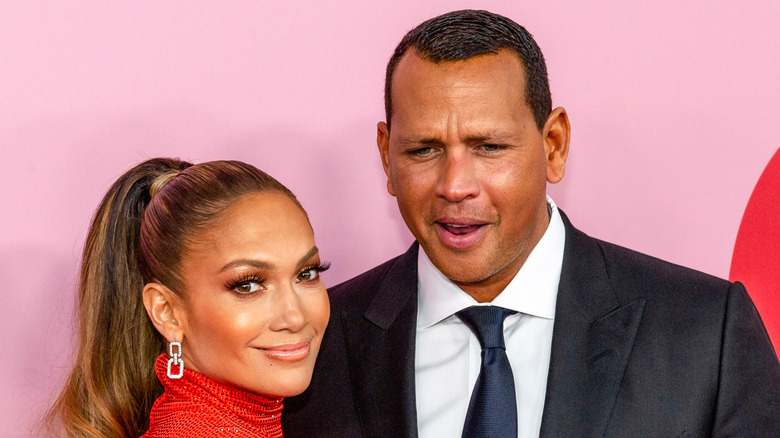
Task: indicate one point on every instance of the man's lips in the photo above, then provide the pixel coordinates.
(460, 233)
(287, 352)
(460, 229)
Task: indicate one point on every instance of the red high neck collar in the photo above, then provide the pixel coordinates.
(196, 405)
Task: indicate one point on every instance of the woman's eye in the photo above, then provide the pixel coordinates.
(247, 287)
(309, 275)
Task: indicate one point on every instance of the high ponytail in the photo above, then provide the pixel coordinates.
(142, 229)
(112, 386)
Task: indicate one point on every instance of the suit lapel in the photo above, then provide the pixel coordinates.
(593, 337)
(380, 352)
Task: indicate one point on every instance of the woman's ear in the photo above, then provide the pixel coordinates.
(162, 306)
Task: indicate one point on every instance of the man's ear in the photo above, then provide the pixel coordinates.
(164, 309)
(383, 143)
(556, 135)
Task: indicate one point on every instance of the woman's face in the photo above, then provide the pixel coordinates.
(253, 309)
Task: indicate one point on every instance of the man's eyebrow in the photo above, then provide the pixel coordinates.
(489, 137)
(472, 138)
(417, 140)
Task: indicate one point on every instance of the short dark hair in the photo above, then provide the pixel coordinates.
(460, 35)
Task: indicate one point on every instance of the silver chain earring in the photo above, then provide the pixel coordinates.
(175, 360)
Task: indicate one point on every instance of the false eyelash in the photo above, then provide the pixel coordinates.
(319, 267)
(243, 279)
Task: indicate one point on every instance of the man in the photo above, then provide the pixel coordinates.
(592, 339)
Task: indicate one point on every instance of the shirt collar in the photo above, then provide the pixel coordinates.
(532, 291)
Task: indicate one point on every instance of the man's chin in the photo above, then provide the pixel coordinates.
(462, 274)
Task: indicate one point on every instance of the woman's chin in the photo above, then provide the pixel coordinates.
(288, 385)
(293, 388)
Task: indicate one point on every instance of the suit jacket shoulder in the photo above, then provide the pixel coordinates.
(641, 342)
(357, 293)
(625, 266)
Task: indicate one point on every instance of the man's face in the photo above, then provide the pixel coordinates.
(468, 165)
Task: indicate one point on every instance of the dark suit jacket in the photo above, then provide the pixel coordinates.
(640, 347)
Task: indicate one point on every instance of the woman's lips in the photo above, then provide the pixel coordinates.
(287, 352)
(460, 234)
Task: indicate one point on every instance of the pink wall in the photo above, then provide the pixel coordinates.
(674, 107)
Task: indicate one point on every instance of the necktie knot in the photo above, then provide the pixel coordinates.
(487, 323)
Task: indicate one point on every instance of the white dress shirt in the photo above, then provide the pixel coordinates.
(447, 353)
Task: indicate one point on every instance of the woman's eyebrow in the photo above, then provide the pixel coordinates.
(312, 252)
(260, 264)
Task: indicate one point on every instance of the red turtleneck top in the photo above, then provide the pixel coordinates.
(196, 406)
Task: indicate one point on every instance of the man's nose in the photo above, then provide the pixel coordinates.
(457, 176)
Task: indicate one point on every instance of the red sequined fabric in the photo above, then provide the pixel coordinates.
(196, 406)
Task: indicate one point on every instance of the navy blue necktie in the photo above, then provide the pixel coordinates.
(493, 408)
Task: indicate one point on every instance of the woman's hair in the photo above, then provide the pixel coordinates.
(144, 225)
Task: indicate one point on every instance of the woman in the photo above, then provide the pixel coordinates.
(204, 278)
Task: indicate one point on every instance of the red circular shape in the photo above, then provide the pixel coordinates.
(756, 259)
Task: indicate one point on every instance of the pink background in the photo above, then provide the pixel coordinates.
(674, 109)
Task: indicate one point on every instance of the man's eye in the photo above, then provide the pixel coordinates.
(492, 148)
(421, 152)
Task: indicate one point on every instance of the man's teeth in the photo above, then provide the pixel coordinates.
(460, 228)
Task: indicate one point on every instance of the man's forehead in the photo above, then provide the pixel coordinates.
(415, 70)
(472, 78)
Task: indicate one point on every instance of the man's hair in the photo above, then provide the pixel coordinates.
(460, 35)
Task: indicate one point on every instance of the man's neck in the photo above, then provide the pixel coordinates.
(487, 290)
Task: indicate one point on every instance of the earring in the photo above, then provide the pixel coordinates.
(175, 360)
